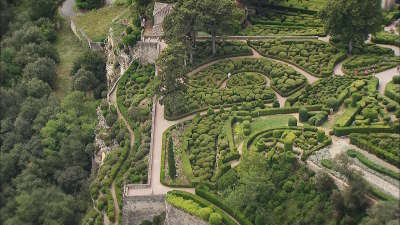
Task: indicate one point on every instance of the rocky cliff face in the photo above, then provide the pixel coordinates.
(118, 60)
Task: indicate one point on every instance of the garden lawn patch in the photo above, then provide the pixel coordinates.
(368, 58)
(269, 122)
(315, 5)
(96, 23)
(69, 48)
(316, 57)
(284, 79)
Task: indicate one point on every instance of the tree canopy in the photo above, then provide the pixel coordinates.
(352, 20)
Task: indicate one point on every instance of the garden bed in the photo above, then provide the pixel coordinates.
(370, 59)
(384, 146)
(386, 38)
(316, 57)
(284, 79)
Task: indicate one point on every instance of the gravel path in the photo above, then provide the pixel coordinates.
(116, 206)
(384, 78)
(67, 8)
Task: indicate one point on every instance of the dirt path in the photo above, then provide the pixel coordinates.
(384, 78)
(338, 69)
(116, 206)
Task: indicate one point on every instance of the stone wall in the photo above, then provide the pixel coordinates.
(139, 208)
(176, 216)
(160, 11)
(148, 51)
(387, 4)
(83, 37)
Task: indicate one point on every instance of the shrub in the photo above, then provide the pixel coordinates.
(215, 219)
(391, 107)
(303, 114)
(276, 104)
(355, 98)
(292, 122)
(205, 213)
(347, 102)
(171, 159)
(396, 79)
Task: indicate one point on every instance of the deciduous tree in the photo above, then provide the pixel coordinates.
(352, 20)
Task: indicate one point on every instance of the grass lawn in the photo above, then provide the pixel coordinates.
(274, 121)
(305, 4)
(96, 23)
(69, 48)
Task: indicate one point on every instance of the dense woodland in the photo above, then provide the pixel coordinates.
(46, 141)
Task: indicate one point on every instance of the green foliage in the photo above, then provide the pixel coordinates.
(344, 19)
(385, 146)
(303, 114)
(171, 159)
(267, 198)
(215, 219)
(89, 73)
(316, 57)
(205, 213)
(89, 4)
(364, 160)
(367, 60)
(292, 122)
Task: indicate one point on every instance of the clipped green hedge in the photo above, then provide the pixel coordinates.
(227, 220)
(379, 152)
(215, 200)
(342, 131)
(364, 160)
(390, 91)
(348, 117)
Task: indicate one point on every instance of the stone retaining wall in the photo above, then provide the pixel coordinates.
(176, 216)
(83, 37)
(139, 208)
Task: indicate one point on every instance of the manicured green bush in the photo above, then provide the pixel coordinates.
(292, 122)
(396, 79)
(171, 159)
(303, 114)
(364, 160)
(368, 59)
(316, 57)
(205, 213)
(215, 219)
(389, 154)
(214, 199)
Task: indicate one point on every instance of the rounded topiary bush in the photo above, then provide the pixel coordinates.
(355, 98)
(205, 213)
(292, 122)
(276, 104)
(396, 79)
(303, 114)
(215, 219)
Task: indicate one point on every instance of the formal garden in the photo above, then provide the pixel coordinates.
(259, 112)
(284, 79)
(316, 57)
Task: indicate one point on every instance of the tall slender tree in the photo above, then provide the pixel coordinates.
(218, 17)
(352, 20)
(182, 24)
